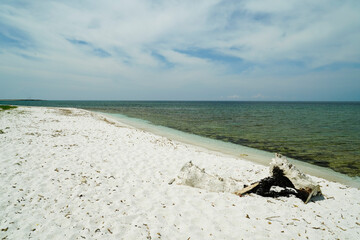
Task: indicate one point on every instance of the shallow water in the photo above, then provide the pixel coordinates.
(323, 133)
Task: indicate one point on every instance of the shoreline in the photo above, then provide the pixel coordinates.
(234, 150)
(338, 155)
(75, 174)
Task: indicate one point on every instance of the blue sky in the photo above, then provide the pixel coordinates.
(180, 50)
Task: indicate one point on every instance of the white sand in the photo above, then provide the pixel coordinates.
(72, 174)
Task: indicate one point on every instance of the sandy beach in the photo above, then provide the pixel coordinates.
(75, 174)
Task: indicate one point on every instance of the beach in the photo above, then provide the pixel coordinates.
(74, 174)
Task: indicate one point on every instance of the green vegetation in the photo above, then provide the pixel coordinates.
(6, 107)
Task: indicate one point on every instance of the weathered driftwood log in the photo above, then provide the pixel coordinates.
(288, 179)
(193, 176)
(285, 180)
(302, 182)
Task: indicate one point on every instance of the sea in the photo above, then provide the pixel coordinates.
(324, 134)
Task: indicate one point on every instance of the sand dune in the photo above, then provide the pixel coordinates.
(74, 174)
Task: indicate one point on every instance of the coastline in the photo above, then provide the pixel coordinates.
(323, 143)
(72, 173)
(234, 150)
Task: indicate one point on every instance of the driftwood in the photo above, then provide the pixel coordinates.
(285, 180)
(247, 189)
(193, 176)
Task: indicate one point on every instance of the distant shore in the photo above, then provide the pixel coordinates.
(17, 100)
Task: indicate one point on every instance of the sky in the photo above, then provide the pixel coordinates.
(180, 50)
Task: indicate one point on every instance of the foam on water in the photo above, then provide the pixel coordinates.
(235, 150)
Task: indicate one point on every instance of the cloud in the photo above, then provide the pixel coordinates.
(13, 37)
(162, 59)
(258, 96)
(78, 42)
(90, 48)
(224, 47)
(210, 54)
(233, 97)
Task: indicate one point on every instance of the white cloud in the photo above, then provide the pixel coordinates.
(258, 96)
(233, 97)
(265, 34)
(292, 29)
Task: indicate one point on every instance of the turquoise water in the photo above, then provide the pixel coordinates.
(326, 134)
